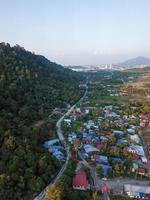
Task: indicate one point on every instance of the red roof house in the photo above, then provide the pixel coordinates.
(143, 120)
(80, 181)
(100, 146)
(105, 189)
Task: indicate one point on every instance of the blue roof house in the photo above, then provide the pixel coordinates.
(106, 169)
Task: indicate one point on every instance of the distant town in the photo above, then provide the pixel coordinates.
(139, 62)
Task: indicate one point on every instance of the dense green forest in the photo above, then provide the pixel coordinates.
(30, 87)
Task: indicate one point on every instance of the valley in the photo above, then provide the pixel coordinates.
(60, 126)
(93, 140)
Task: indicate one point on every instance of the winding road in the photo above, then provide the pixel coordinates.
(60, 135)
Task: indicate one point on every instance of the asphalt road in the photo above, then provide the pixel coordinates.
(60, 135)
(97, 183)
(105, 196)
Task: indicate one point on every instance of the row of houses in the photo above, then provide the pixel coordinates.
(55, 149)
(137, 190)
(92, 139)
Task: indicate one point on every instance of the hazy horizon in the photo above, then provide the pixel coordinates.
(78, 32)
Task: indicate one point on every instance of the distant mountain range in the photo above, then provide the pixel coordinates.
(138, 61)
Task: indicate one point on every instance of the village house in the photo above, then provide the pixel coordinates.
(49, 143)
(136, 149)
(137, 190)
(131, 131)
(135, 138)
(116, 159)
(140, 168)
(143, 120)
(89, 149)
(80, 181)
(105, 169)
(118, 133)
(100, 145)
(55, 148)
(99, 159)
(71, 136)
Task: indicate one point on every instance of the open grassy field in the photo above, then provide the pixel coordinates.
(139, 91)
(142, 82)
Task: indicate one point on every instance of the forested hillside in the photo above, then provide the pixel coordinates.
(30, 87)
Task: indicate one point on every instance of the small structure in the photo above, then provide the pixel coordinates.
(122, 141)
(106, 169)
(137, 190)
(90, 149)
(90, 124)
(105, 189)
(118, 132)
(135, 138)
(112, 115)
(136, 149)
(99, 159)
(135, 166)
(116, 159)
(103, 159)
(67, 120)
(143, 159)
(100, 146)
(103, 138)
(131, 131)
(80, 181)
(59, 155)
(143, 120)
(54, 148)
(49, 143)
(71, 136)
(87, 111)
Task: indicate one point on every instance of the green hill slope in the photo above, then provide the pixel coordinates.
(30, 87)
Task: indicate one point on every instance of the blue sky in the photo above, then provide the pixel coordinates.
(78, 31)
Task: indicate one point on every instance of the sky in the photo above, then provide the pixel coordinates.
(78, 32)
